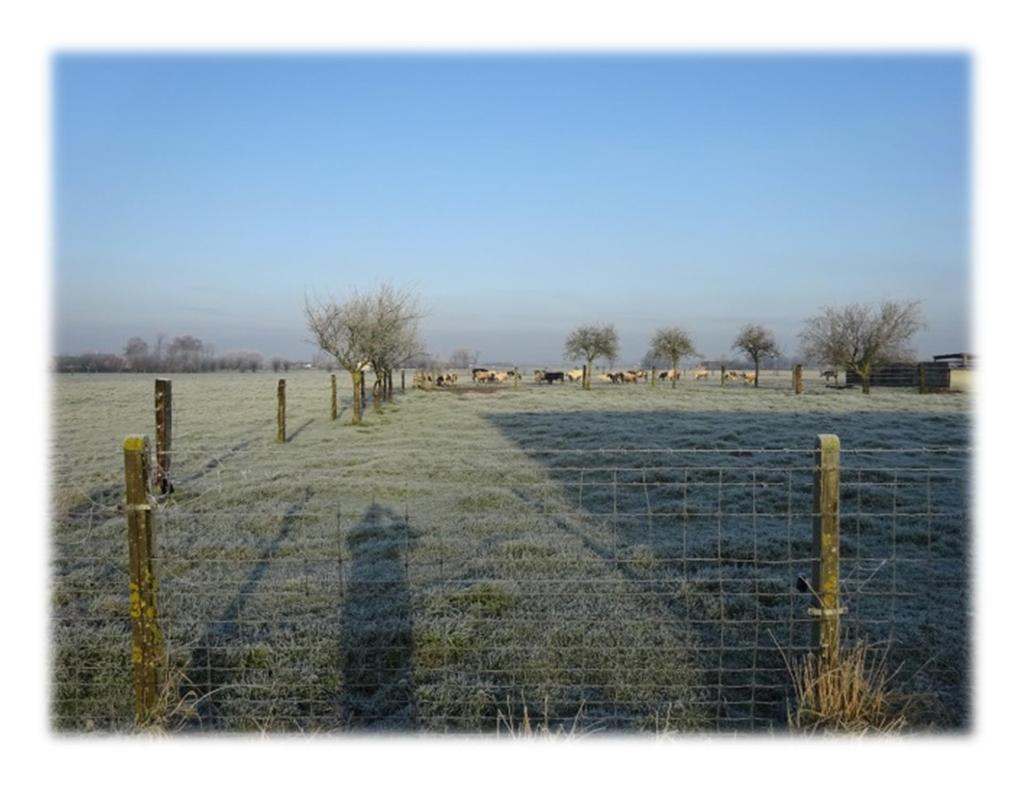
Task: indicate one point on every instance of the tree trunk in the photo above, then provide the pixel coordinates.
(378, 393)
(865, 380)
(757, 371)
(586, 375)
(675, 372)
(357, 399)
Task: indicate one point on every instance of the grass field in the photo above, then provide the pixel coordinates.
(627, 558)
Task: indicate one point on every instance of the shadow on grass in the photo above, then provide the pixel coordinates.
(300, 429)
(719, 538)
(211, 668)
(376, 625)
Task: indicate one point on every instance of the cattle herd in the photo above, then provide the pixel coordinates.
(433, 379)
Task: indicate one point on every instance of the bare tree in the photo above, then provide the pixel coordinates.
(463, 358)
(185, 353)
(672, 344)
(757, 343)
(376, 331)
(589, 342)
(343, 331)
(136, 352)
(393, 338)
(857, 337)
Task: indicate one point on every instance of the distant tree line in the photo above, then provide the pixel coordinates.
(183, 354)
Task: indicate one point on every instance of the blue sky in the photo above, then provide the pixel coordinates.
(518, 195)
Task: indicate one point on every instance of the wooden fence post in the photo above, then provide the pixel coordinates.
(163, 436)
(825, 632)
(147, 641)
(515, 376)
(723, 375)
(403, 380)
(280, 411)
(334, 397)
(798, 379)
(653, 378)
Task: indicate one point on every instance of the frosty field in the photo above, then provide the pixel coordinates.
(626, 558)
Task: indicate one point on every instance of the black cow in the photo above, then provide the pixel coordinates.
(549, 376)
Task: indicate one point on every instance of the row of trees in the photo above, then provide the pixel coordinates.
(182, 354)
(668, 347)
(853, 338)
(375, 332)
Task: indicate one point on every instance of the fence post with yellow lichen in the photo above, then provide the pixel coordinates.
(147, 640)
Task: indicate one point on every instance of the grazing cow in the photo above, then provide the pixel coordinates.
(549, 376)
(575, 375)
(830, 375)
(701, 373)
(672, 375)
(630, 376)
(748, 377)
(480, 374)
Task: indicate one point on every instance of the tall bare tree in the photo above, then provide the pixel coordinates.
(185, 353)
(344, 330)
(672, 344)
(589, 342)
(137, 354)
(858, 338)
(393, 337)
(757, 343)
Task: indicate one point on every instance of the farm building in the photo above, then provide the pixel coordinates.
(961, 369)
(956, 360)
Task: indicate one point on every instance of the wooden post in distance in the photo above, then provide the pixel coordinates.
(280, 411)
(163, 436)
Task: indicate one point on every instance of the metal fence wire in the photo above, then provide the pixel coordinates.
(616, 589)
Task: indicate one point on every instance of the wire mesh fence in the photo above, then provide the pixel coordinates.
(615, 589)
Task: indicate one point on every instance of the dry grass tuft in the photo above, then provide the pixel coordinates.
(852, 696)
(511, 724)
(176, 707)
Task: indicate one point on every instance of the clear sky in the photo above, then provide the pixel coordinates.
(519, 196)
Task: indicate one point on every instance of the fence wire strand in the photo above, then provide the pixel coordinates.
(635, 583)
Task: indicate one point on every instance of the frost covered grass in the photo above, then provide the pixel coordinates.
(619, 559)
